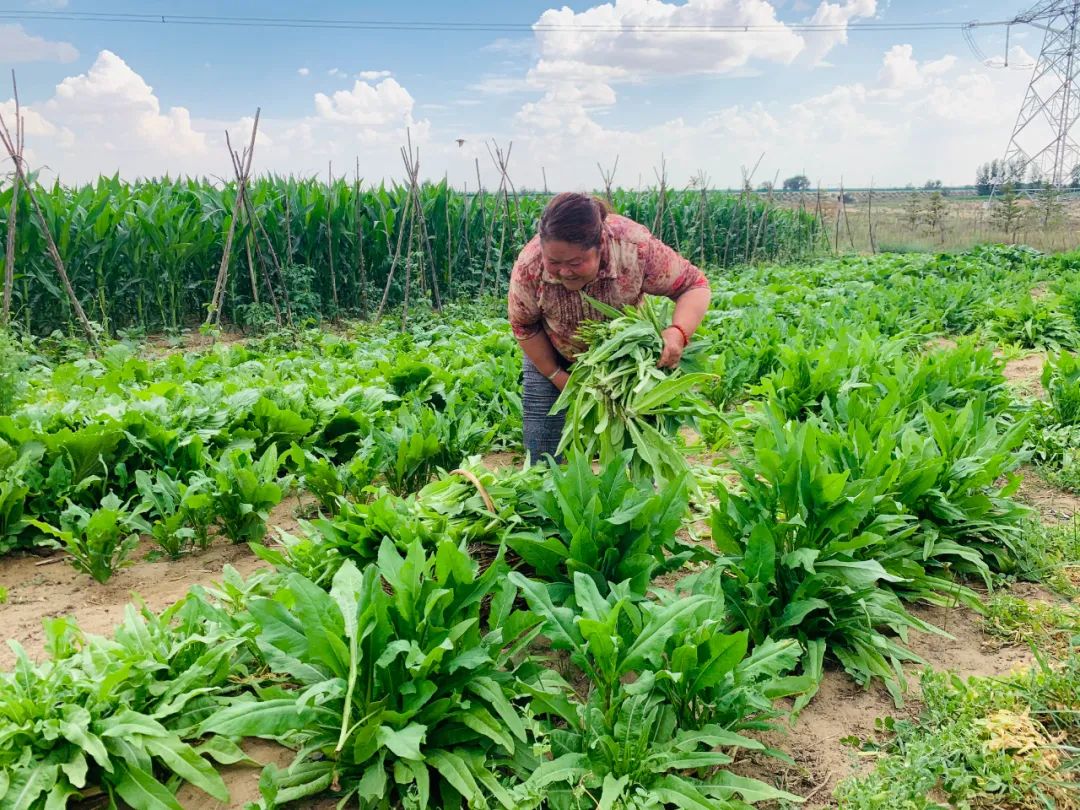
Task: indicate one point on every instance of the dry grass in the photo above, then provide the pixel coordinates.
(967, 222)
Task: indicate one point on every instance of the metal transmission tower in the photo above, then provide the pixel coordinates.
(1043, 138)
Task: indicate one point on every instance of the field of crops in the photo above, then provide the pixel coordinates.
(865, 465)
(145, 256)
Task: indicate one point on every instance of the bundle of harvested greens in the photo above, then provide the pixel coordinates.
(618, 399)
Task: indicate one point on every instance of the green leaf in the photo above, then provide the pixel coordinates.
(759, 563)
(143, 792)
(405, 742)
(612, 792)
(455, 771)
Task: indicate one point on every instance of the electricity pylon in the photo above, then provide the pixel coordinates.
(1043, 139)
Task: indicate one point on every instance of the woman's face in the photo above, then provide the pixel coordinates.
(570, 265)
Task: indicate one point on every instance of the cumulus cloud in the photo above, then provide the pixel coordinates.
(17, 45)
(304, 71)
(113, 99)
(934, 117)
(366, 104)
(121, 125)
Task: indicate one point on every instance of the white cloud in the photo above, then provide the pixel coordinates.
(304, 71)
(915, 119)
(366, 104)
(337, 73)
(819, 43)
(372, 75)
(17, 45)
(115, 100)
(644, 37)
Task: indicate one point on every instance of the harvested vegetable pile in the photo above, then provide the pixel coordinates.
(617, 399)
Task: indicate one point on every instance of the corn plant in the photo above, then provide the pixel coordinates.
(146, 254)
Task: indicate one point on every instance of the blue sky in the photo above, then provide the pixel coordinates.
(884, 105)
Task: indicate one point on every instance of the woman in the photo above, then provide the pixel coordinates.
(582, 249)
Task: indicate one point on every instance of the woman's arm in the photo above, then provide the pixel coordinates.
(690, 309)
(538, 348)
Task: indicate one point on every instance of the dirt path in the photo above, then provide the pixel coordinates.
(1055, 506)
(1025, 373)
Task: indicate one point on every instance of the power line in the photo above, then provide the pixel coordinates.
(446, 26)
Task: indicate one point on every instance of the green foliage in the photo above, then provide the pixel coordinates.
(12, 362)
(802, 547)
(245, 490)
(100, 542)
(119, 714)
(626, 742)
(13, 520)
(607, 526)
(404, 696)
(981, 742)
(618, 400)
(1061, 379)
(1032, 324)
(182, 512)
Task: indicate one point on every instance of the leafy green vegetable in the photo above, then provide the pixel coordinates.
(101, 542)
(617, 399)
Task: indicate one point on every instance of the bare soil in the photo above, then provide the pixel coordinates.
(820, 741)
(1026, 374)
(1055, 506)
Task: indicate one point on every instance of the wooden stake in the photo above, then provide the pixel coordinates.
(360, 244)
(9, 252)
(213, 311)
(14, 147)
(330, 233)
(483, 228)
(608, 177)
(870, 218)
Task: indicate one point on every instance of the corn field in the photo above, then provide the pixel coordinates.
(146, 255)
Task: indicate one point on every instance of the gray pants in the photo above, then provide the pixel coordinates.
(542, 431)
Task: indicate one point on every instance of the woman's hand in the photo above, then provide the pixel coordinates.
(674, 345)
(560, 379)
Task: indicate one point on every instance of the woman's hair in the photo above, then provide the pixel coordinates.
(574, 218)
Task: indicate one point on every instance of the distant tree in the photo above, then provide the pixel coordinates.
(766, 187)
(913, 210)
(934, 214)
(799, 182)
(1049, 206)
(1016, 171)
(1008, 213)
(933, 185)
(1075, 177)
(997, 172)
(984, 180)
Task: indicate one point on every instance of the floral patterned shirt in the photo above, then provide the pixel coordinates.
(633, 262)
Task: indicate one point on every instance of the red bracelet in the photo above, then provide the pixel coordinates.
(685, 337)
